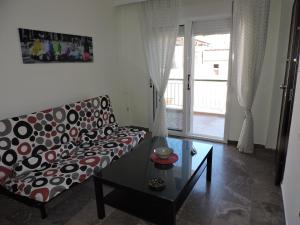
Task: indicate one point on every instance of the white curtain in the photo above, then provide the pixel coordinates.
(159, 25)
(250, 25)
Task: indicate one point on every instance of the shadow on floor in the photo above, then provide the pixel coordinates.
(241, 193)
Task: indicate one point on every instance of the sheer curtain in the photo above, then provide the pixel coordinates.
(159, 24)
(250, 25)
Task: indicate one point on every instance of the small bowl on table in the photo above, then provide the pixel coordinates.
(163, 152)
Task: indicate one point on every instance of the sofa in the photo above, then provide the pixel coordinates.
(44, 153)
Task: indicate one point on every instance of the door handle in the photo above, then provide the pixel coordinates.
(291, 60)
(150, 83)
(283, 86)
(188, 83)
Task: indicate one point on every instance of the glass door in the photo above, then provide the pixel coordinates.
(174, 95)
(196, 93)
(210, 76)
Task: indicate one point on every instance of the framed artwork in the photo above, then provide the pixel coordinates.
(48, 47)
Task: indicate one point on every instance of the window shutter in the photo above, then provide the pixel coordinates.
(208, 27)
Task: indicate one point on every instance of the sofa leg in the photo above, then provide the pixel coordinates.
(43, 211)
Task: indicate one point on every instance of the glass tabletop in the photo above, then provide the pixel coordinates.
(135, 169)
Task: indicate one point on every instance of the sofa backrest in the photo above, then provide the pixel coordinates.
(23, 136)
(98, 112)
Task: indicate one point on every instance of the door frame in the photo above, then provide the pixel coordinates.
(186, 70)
(229, 86)
(188, 95)
(288, 93)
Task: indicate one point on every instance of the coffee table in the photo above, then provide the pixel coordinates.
(129, 177)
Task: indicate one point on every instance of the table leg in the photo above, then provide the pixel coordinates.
(209, 165)
(99, 198)
(170, 215)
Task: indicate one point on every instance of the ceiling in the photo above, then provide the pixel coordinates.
(125, 2)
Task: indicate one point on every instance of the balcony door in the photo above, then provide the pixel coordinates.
(175, 91)
(196, 94)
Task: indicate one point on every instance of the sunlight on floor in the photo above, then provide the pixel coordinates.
(208, 125)
(205, 125)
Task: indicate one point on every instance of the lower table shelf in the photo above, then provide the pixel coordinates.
(139, 205)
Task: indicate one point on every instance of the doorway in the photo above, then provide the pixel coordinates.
(211, 60)
(288, 90)
(174, 95)
(196, 94)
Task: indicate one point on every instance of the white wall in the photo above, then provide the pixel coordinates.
(133, 70)
(119, 67)
(132, 79)
(134, 93)
(135, 96)
(291, 180)
(26, 88)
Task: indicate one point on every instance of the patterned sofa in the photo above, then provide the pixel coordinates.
(44, 153)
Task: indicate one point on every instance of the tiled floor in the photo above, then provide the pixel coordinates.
(208, 125)
(203, 124)
(241, 193)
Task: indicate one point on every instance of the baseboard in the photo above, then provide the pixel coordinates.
(256, 146)
(283, 200)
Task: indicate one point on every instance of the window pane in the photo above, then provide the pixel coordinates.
(174, 91)
(211, 56)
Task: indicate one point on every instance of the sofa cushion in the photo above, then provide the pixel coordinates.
(100, 133)
(115, 146)
(43, 185)
(44, 160)
(29, 135)
(91, 156)
(25, 136)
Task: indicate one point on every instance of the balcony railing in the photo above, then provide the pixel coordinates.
(209, 95)
(174, 94)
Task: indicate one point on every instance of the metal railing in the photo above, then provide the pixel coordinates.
(209, 95)
(174, 94)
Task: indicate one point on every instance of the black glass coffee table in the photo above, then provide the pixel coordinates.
(130, 175)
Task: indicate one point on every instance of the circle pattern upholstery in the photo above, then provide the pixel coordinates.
(45, 153)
